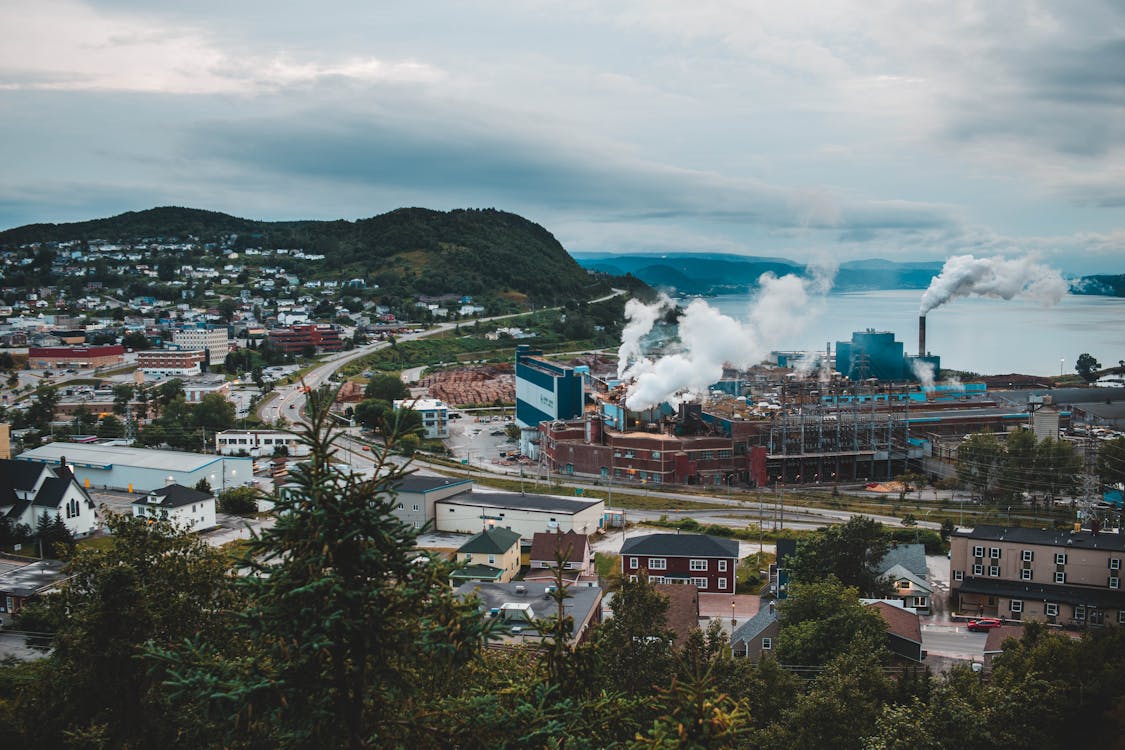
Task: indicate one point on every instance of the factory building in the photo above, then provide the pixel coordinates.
(545, 390)
(876, 354)
(142, 469)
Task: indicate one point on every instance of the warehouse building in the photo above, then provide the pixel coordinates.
(143, 469)
(470, 512)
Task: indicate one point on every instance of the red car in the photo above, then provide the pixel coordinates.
(984, 625)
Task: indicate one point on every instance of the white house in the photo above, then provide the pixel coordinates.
(435, 415)
(183, 506)
(29, 489)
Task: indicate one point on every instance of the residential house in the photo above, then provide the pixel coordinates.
(904, 631)
(1063, 577)
(757, 637)
(574, 548)
(682, 616)
(904, 567)
(23, 580)
(707, 562)
(491, 556)
(29, 489)
(183, 506)
(518, 606)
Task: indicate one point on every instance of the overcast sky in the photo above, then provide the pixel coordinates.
(806, 129)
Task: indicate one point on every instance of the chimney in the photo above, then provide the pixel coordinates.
(921, 335)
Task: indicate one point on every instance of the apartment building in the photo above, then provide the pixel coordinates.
(170, 362)
(1063, 577)
(214, 339)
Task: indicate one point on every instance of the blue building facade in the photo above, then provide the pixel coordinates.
(545, 391)
(876, 354)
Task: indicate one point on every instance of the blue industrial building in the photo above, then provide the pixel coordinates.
(876, 354)
(545, 391)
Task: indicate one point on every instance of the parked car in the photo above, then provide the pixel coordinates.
(984, 625)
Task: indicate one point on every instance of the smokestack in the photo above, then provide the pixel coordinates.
(921, 335)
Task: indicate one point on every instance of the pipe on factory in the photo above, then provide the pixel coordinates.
(921, 335)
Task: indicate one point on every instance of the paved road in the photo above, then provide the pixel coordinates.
(953, 642)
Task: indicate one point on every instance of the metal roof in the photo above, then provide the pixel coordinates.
(1047, 537)
(681, 545)
(517, 501)
(95, 456)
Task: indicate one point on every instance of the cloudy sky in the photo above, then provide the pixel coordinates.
(805, 128)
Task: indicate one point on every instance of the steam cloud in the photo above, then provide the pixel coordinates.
(709, 339)
(966, 276)
(924, 371)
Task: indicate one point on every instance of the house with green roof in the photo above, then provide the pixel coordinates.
(492, 556)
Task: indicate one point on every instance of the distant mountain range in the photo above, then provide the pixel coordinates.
(726, 273)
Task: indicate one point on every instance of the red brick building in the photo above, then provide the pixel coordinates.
(47, 357)
(584, 447)
(707, 562)
(295, 339)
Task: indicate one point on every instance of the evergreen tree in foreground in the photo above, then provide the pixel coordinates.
(349, 627)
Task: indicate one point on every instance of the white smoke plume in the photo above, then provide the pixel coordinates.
(965, 276)
(924, 371)
(954, 383)
(709, 339)
(641, 318)
(806, 364)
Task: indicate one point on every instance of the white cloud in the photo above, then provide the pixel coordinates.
(64, 45)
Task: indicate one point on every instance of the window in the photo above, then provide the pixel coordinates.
(978, 551)
(994, 553)
(767, 644)
(450, 510)
(698, 565)
(1060, 577)
(632, 563)
(1017, 605)
(1027, 555)
(1025, 574)
(468, 556)
(657, 563)
(958, 575)
(400, 506)
(1060, 558)
(978, 570)
(1114, 582)
(633, 578)
(659, 579)
(492, 559)
(1121, 616)
(722, 566)
(416, 524)
(1051, 610)
(722, 583)
(656, 454)
(416, 507)
(1080, 612)
(994, 570)
(1115, 563)
(700, 582)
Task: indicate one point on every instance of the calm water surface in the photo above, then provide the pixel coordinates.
(982, 335)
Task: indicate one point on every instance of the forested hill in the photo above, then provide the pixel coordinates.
(412, 249)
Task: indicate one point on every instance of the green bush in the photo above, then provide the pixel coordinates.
(239, 501)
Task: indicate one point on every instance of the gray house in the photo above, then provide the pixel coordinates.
(757, 636)
(417, 495)
(905, 567)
